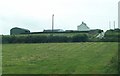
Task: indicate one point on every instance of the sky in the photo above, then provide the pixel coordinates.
(36, 15)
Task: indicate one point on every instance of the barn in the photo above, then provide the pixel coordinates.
(83, 27)
(16, 30)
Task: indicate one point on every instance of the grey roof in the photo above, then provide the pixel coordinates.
(20, 28)
(54, 30)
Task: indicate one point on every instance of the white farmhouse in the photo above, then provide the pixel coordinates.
(83, 27)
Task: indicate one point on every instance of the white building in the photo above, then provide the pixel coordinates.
(83, 27)
(100, 35)
(119, 14)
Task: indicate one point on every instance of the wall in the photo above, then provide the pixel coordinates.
(82, 27)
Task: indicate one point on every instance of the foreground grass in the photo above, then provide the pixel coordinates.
(60, 58)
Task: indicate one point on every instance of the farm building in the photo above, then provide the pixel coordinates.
(54, 30)
(16, 30)
(93, 31)
(83, 27)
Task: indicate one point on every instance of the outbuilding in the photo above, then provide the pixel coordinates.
(16, 30)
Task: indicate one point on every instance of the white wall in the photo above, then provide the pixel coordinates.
(82, 27)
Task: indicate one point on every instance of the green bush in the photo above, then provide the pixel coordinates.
(43, 38)
(112, 36)
(80, 38)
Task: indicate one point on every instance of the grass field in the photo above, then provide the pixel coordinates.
(60, 58)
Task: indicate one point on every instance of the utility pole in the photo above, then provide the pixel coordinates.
(52, 22)
(114, 24)
(109, 25)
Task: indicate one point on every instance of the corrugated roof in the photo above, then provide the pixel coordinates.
(20, 28)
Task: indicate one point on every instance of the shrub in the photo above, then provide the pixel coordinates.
(80, 38)
(43, 38)
(112, 36)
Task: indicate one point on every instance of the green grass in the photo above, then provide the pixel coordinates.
(0, 58)
(60, 58)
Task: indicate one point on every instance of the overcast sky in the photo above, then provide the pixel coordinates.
(36, 15)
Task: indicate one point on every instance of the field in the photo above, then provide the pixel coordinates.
(60, 58)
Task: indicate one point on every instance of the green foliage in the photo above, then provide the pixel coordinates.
(80, 38)
(43, 38)
(52, 38)
(112, 35)
(112, 66)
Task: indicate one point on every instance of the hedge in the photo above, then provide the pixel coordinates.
(42, 38)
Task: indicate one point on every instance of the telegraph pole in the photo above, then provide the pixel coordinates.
(109, 25)
(52, 22)
(114, 24)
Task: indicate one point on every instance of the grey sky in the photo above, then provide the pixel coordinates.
(36, 15)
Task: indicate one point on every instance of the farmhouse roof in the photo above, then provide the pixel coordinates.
(84, 25)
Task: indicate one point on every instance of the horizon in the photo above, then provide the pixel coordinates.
(36, 15)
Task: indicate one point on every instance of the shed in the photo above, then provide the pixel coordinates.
(16, 30)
